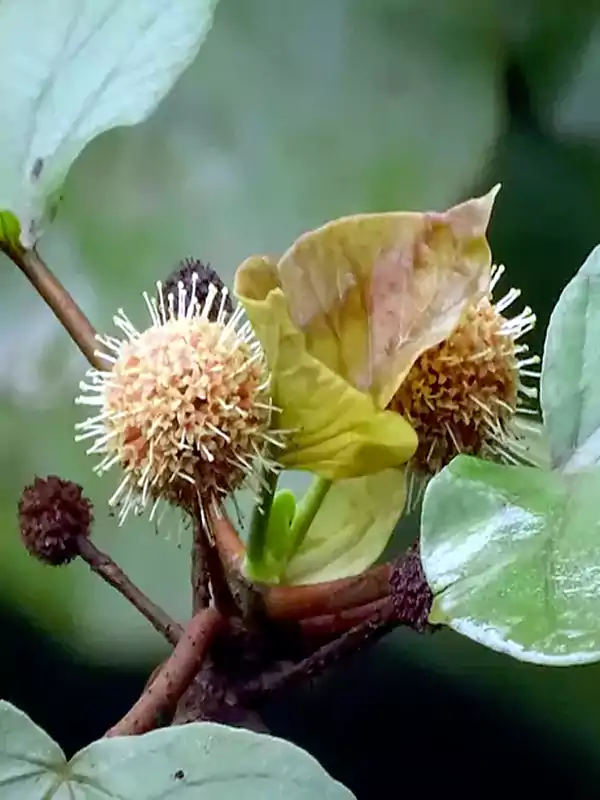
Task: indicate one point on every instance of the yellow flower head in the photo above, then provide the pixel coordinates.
(344, 315)
(183, 406)
(465, 394)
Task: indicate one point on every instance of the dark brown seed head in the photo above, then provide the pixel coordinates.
(53, 514)
(196, 278)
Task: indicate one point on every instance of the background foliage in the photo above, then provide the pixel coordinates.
(291, 115)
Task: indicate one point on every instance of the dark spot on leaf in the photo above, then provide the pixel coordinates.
(36, 170)
(179, 775)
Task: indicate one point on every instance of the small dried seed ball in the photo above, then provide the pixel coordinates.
(53, 514)
(195, 278)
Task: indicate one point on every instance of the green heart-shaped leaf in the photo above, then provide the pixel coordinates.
(570, 385)
(70, 71)
(200, 761)
(512, 555)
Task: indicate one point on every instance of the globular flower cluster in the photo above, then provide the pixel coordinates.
(465, 395)
(183, 407)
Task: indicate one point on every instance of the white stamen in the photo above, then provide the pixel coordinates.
(106, 464)
(221, 315)
(218, 431)
(529, 391)
(206, 452)
(524, 410)
(272, 440)
(105, 356)
(161, 302)
(508, 299)
(497, 273)
(181, 300)
(151, 310)
(101, 442)
(267, 406)
(154, 507)
(119, 491)
(528, 362)
(193, 298)
(247, 364)
(211, 293)
(531, 373)
(110, 344)
(122, 321)
(89, 401)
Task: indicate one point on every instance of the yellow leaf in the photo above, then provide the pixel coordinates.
(350, 530)
(371, 292)
(337, 431)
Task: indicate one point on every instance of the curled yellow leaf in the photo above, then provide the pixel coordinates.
(346, 312)
(372, 292)
(335, 430)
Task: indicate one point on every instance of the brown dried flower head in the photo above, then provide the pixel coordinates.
(197, 279)
(467, 394)
(53, 514)
(184, 408)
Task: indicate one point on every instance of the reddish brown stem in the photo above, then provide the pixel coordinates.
(60, 301)
(288, 603)
(108, 570)
(214, 568)
(229, 545)
(200, 570)
(163, 693)
(300, 602)
(327, 626)
(380, 619)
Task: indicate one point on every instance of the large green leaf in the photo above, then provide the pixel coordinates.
(513, 557)
(203, 761)
(71, 69)
(570, 386)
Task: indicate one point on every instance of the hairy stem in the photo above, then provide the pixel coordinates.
(60, 301)
(163, 692)
(108, 570)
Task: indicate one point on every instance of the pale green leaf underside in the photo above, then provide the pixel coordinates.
(513, 557)
(351, 528)
(570, 385)
(201, 761)
(71, 69)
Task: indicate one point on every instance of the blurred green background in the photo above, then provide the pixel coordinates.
(293, 114)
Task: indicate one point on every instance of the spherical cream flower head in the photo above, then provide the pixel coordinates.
(465, 395)
(184, 408)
